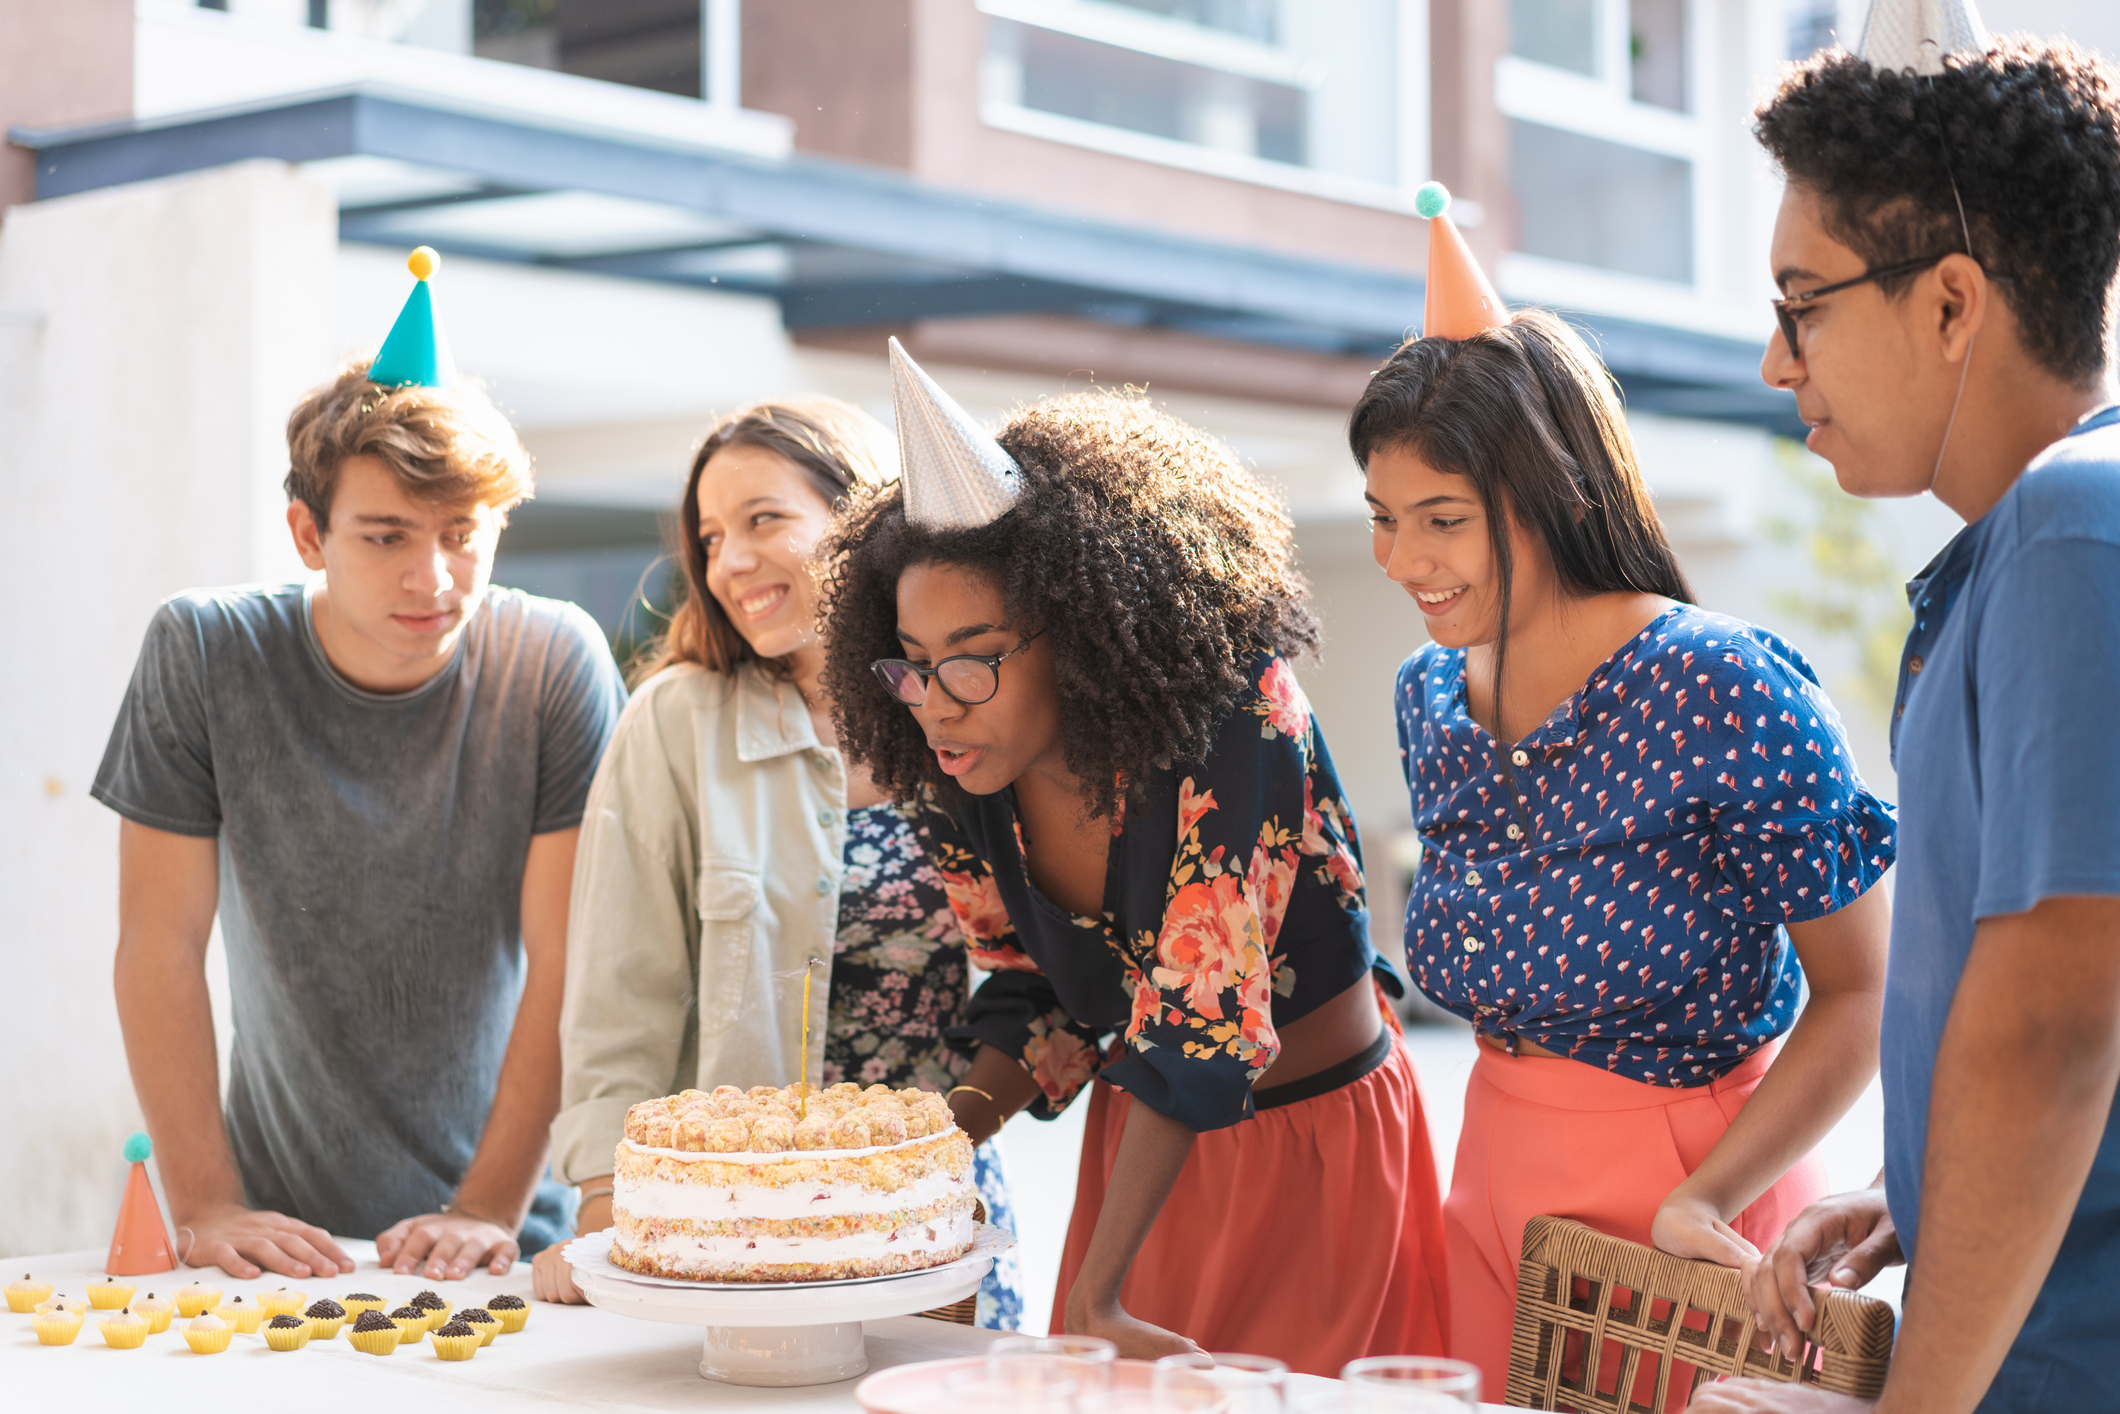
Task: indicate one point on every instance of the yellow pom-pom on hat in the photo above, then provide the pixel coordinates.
(423, 262)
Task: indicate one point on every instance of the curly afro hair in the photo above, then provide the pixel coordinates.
(1154, 563)
(2032, 133)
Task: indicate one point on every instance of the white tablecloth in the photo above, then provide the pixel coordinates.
(566, 1357)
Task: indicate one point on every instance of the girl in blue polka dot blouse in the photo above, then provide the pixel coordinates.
(1644, 836)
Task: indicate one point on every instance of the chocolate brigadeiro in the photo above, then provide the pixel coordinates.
(408, 1313)
(285, 1322)
(428, 1301)
(374, 1321)
(477, 1315)
(327, 1309)
(455, 1329)
(505, 1303)
(362, 1296)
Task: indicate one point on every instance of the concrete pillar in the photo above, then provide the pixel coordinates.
(60, 64)
(153, 341)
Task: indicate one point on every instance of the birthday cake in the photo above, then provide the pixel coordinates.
(774, 1185)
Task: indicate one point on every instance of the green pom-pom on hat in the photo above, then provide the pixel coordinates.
(1432, 200)
(137, 1148)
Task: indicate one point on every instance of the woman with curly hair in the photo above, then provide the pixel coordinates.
(1072, 645)
(1643, 831)
(729, 851)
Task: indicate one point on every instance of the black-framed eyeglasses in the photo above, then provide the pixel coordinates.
(1785, 309)
(971, 678)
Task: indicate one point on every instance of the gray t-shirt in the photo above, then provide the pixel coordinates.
(371, 856)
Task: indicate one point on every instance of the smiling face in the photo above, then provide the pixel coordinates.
(401, 576)
(759, 522)
(1429, 533)
(945, 610)
(1870, 383)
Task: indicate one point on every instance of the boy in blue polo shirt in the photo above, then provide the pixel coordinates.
(1946, 251)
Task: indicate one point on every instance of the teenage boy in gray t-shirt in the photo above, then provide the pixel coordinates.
(376, 781)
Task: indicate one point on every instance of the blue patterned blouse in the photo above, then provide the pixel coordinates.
(1624, 901)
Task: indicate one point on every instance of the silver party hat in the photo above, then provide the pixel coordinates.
(956, 477)
(1916, 34)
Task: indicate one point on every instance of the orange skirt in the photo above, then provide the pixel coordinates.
(1311, 1232)
(1546, 1135)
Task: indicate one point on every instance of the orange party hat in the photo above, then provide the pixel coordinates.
(1460, 301)
(141, 1243)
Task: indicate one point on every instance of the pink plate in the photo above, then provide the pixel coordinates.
(917, 1388)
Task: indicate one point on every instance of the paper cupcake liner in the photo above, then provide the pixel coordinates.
(456, 1347)
(110, 1295)
(124, 1332)
(355, 1305)
(195, 1300)
(159, 1314)
(23, 1296)
(281, 1302)
(285, 1339)
(57, 1328)
(61, 1303)
(511, 1321)
(322, 1329)
(209, 1342)
(410, 1332)
(373, 1342)
(244, 1319)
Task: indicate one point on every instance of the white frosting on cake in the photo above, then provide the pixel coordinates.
(682, 1255)
(673, 1200)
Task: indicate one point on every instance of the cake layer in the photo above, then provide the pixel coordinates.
(654, 1250)
(716, 1208)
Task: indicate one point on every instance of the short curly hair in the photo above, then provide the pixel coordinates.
(1154, 563)
(2032, 134)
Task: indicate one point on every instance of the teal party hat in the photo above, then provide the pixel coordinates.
(417, 351)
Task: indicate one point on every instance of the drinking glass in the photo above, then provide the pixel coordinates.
(1410, 1384)
(1182, 1392)
(1250, 1384)
(1087, 1359)
(1012, 1387)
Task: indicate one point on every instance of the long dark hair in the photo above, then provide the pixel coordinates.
(835, 446)
(1528, 415)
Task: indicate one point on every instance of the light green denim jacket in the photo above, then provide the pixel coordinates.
(705, 882)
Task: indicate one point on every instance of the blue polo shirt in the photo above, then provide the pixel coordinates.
(2009, 793)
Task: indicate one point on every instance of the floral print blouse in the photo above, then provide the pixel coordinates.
(1233, 905)
(1619, 889)
(899, 978)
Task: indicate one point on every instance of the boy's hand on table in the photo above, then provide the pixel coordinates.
(446, 1246)
(241, 1241)
(552, 1278)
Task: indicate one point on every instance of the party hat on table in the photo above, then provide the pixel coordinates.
(1917, 34)
(417, 351)
(1460, 301)
(956, 477)
(141, 1243)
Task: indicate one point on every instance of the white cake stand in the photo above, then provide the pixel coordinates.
(782, 1333)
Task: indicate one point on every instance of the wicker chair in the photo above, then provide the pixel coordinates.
(965, 1312)
(1591, 1308)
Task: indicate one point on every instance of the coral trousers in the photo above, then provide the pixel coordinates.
(1311, 1232)
(1546, 1135)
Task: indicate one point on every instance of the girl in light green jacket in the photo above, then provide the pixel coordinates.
(728, 852)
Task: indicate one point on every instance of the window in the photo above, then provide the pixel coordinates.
(646, 43)
(1813, 25)
(1603, 141)
(1227, 85)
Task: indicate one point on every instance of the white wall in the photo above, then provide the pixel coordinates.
(169, 328)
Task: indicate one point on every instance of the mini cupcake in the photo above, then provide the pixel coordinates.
(325, 1317)
(58, 1327)
(456, 1341)
(480, 1320)
(244, 1318)
(23, 1295)
(373, 1332)
(437, 1309)
(510, 1311)
(196, 1299)
(61, 1303)
(124, 1331)
(411, 1323)
(208, 1334)
(110, 1294)
(158, 1309)
(287, 1332)
(356, 1302)
(282, 1302)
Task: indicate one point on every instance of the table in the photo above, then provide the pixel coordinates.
(567, 1356)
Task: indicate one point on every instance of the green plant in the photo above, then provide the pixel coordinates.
(1856, 591)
